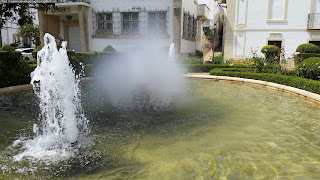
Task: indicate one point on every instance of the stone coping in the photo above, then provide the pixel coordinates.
(313, 96)
(19, 88)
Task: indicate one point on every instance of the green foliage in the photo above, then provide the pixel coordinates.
(193, 68)
(271, 53)
(218, 60)
(10, 10)
(12, 70)
(7, 48)
(298, 58)
(191, 60)
(199, 54)
(258, 64)
(109, 49)
(297, 82)
(31, 31)
(309, 68)
(308, 48)
(83, 62)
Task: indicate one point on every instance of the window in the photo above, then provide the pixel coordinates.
(104, 22)
(276, 43)
(185, 23)
(26, 41)
(130, 22)
(157, 22)
(277, 10)
(189, 25)
(315, 42)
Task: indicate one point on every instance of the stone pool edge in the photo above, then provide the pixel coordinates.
(18, 88)
(313, 96)
(310, 95)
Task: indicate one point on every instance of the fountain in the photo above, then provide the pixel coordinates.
(145, 79)
(61, 117)
(270, 134)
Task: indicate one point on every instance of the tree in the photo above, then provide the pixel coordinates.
(31, 31)
(9, 12)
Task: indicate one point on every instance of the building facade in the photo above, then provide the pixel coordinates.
(95, 24)
(9, 32)
(252, 24)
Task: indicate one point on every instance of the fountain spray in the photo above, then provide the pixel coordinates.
(61, 115)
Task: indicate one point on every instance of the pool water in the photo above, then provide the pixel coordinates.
(218, 130)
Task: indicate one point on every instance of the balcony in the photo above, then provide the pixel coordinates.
(203, 11)
(314, 21)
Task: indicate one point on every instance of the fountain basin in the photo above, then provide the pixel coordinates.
(219, 130)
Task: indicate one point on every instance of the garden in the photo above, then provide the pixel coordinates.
(271, 67)
(306, 75)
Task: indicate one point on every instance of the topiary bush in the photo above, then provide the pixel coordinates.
(109, 49)
(309, 68)
(271, 53)
(7, 48)
(308, 48)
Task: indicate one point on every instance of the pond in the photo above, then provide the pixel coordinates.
(217, 130)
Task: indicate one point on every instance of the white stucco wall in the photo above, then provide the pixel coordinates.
(186, 45)
(98, 44)
(251, 21)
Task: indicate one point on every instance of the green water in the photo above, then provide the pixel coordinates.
(220, 130)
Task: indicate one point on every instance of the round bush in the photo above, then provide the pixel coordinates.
(109, 49)
(308, 48)
(7, 48)
(309, 68)
(271, 53)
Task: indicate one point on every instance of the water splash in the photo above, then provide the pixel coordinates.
(146, 79)
(62, 121)
(172, 53)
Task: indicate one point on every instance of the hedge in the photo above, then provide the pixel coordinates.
(192, 68)
(302, 56)
(297, 82)
(308, 48)
(12, 70)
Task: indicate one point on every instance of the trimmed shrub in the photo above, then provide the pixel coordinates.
(7, 48)
(193, 68)
(298, 58)
(13, 70)
(308, 48)
(309, 68)
(297, 82)
(191, 60)
(271, 53)
(109, 49)
(218, 60)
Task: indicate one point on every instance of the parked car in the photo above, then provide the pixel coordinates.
(26, 53)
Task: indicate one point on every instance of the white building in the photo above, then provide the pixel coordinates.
(9, 32)
(256, 23)
(92, 25)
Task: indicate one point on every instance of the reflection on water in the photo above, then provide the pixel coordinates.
(221, 130)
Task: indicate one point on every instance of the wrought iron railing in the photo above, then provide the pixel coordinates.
(314, 21)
